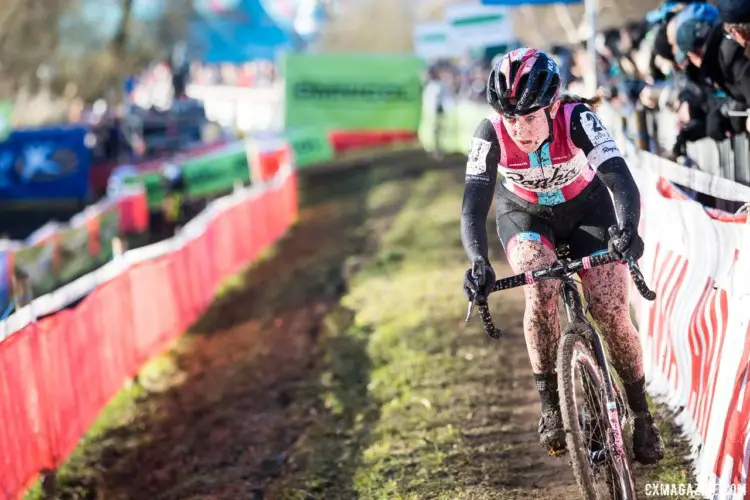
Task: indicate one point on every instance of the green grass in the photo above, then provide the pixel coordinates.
(394, 419)
(403, 401)
(76, 475)
(674, 468)
(388, 402)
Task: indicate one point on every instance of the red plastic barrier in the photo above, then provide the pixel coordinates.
(669, 190)
(723, 216)
(268, 163)
(244, 244)
(24, 441)
(57, 375)
(344, 140)
(155, 312)
(187, 287)
(133, 213)
(261, 235)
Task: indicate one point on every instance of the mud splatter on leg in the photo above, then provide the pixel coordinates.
(607, 294)
(540, 322)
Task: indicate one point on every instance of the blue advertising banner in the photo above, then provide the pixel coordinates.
(512, 3)
(44, 164)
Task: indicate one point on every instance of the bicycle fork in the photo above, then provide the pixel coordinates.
(574, 312)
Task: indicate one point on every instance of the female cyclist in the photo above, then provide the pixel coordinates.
(560, 166)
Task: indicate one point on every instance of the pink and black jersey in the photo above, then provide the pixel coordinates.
(560, 169)
(579, 157)
(555, 173)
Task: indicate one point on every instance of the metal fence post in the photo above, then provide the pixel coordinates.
(741, 150)
(652, 128)
(640, 126)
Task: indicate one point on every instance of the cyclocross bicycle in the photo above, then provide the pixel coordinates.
(593, 406)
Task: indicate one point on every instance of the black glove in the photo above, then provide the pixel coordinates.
(625, 242)
(718, 126)
(479, 280)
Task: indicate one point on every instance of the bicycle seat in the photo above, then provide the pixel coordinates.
(562, 248)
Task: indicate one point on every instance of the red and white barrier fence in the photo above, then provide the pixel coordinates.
(57, 374)
(696, 334)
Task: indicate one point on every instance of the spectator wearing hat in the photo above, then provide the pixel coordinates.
(663, 43)
(661, 64)
(736, 17)
(700, 41)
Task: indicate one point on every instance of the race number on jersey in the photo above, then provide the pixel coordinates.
(594, 129)
(604, 146)
(477, 162)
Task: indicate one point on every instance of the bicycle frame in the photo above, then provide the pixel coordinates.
(576, 314)
(563, 270)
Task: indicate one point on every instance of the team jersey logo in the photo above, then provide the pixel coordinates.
(546, 178)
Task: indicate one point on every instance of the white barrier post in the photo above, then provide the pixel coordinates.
(118, 247)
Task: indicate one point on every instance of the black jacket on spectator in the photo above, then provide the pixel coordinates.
(696, 97)
(725, 66)
(661, 48)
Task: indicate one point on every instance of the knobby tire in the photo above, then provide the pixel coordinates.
(574, 343)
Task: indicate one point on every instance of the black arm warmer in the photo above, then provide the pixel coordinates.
(479, 187)
(588, 134)
(616, 175)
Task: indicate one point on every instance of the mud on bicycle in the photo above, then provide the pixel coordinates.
(593, 406)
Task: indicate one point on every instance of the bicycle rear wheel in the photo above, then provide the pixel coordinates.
(598, 469)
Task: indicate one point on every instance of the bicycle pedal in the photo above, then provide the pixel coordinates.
(557, 453)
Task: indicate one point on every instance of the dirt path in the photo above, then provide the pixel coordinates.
(339, 367)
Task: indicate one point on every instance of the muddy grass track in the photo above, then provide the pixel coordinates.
(339, 367)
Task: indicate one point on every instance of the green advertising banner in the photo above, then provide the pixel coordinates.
(39, 263)
(153, 184)
(352, 91)
(75, 257)
(109, 227)
(216, 173)
(310, 146)
(6, 112)
(453, 131)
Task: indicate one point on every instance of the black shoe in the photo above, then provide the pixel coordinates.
(552, 432)
(648, 446)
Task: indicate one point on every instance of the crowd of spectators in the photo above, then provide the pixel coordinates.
(690, 57)
(690, 61)
(686, 61)
(158, 96)
(251, 74)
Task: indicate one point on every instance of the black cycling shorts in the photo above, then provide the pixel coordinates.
(582, 222)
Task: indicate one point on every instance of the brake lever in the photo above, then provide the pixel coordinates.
(469, 311)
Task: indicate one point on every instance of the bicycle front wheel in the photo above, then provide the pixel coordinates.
(601, 472)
